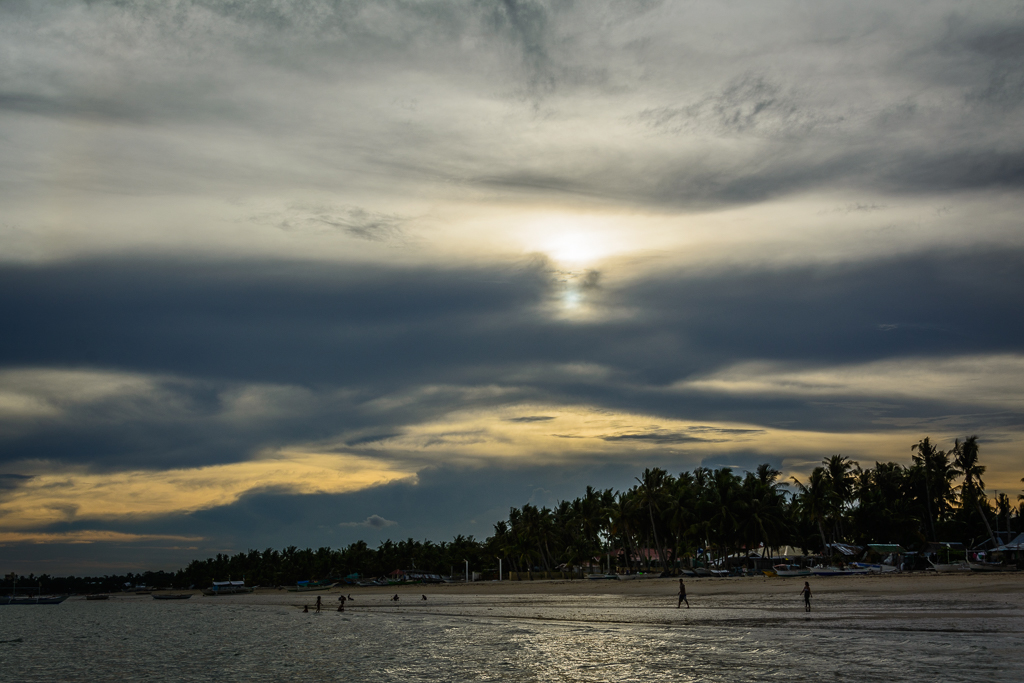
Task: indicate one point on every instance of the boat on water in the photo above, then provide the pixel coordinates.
(306, 586)
(837, 571)
(227, 588)
(171, 596)
(32, 599)
(790, 570)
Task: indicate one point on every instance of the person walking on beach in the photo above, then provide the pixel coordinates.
(318, 604)
(682, 596)
(806, 592)
(341, 603)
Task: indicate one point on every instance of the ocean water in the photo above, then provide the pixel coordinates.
(518, 638)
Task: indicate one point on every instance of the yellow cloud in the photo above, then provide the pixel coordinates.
(86, 536)
(547, 434)
(52, 497)
(990, 380)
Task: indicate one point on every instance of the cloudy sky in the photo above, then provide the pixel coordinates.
(302, 272)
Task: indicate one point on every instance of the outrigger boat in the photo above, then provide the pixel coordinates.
(305, 586)
(227, 588)
(836, 571)
(32, 599)
(38, 599)
(961, 566)
(171, 596)
(790, 570)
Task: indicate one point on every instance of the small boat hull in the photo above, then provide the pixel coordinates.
(836, 571)
(172, 596)
(790, 570)
(952, 567)
(27, 600)
(300, 588)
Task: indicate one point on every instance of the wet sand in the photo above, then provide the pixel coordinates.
(955, 628)
(914, 601)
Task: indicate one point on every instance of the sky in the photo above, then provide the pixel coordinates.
(307, 272)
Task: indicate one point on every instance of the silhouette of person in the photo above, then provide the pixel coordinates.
(682, 596)
(341, 603)
(305, 609)
(395, 599)
(318, 604)
(424, 597)
(806, 592)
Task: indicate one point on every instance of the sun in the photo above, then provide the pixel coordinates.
(574, 248)
(572, 241)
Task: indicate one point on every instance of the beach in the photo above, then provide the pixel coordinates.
(919, 600)
(918, 626)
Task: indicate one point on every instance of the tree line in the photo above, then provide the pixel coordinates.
(664, 521)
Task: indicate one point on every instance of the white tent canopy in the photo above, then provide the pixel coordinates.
(1015, 544)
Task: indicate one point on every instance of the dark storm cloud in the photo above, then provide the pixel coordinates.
(331, 342)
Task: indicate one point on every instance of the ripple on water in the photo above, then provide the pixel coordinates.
(202, 641)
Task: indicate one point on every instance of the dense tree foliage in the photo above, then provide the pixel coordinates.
(667, 521)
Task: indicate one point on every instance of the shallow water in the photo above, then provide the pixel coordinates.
(518, 638)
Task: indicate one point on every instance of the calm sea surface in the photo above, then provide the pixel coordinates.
(522, 638)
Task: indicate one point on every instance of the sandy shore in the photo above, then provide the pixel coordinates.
(925, 601)
(911, 582)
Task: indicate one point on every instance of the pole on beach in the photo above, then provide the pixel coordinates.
(499, 569)
(467, 571)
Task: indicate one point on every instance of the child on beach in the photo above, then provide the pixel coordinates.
(806, 592)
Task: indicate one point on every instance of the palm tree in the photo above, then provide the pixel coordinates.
(841, 477)
(966, 463)
(926, 456)
(814, 501)
(764, 519)
(652, 495)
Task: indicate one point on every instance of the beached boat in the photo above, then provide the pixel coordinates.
(97, 597)
(171, 596)
(791, 570)
(32, 599)
(990, 567)
(227, 588)
(702, 571)
(305, 586)
(875, 568)
(960, 566)
(836, 571)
